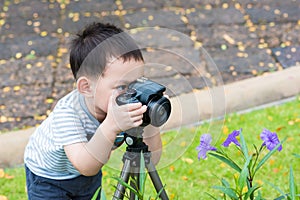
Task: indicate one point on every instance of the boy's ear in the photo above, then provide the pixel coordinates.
(84, 86)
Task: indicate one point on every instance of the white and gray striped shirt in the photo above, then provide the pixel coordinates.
(69, 123)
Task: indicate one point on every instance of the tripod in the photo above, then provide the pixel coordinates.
(131, 165)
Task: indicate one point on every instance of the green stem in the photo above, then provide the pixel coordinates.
(250, 179)
(262, 147)
(251, 176)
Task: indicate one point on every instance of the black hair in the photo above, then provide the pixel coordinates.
(98, 42)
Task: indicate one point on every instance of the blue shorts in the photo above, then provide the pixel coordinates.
(81, 187)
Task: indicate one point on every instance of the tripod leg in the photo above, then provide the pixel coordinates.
(135, 180)
(156, 181)
(120, 189)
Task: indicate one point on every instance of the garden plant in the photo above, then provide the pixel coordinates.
(246, 167)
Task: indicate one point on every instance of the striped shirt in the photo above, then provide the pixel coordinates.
(69, 123)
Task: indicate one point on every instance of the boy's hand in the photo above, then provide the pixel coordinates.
(124, 117)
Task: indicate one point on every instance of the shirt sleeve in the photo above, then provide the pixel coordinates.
(68, 128)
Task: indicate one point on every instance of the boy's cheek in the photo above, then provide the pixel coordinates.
(101, 105)
(105, 107)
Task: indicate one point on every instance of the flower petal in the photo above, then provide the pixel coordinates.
(205, 146)
(270, 140)
(232, 138)
(206, 138)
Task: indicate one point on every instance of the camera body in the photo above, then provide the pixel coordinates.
(149, 93)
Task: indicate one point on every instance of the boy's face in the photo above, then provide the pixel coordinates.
(117, 75)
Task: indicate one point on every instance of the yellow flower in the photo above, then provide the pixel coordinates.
(245, 189)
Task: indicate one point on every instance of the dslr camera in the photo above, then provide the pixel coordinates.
(149, 93)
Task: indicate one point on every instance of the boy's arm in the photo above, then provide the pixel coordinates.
(151, 137)
(88, 158)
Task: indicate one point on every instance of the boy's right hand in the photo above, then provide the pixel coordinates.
(123, 117)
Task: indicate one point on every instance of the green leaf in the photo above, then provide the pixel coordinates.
(227, 161)
(244, 146)
(103, 196)
(126, 185)
(280, 198)
(268, 155)
(276, 188)
(96, 194)
(225, 183)
(243, 175)
(160, 191)
(211, 196)
(296, 155)
(250, 192)
(228, 191)
(30, 56)
(258, 197)
(142, 179)
(125, 193)
(292, 185)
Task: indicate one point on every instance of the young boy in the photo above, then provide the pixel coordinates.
(64, 156)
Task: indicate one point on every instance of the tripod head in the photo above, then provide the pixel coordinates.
(134, 140)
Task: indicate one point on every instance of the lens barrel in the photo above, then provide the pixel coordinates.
(159, 110)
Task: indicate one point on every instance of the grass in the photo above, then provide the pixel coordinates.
(187, 178)
(12, 184)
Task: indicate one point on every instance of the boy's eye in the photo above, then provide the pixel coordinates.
(121, 87)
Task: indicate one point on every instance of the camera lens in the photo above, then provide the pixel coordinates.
(159, 110)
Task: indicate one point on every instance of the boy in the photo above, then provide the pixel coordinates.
(64, 156)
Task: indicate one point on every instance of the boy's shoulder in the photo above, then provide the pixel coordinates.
(73, 104)
(70, 100)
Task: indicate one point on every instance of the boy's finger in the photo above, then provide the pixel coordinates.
(137, 118)
(137, 123)
(134, 106)
(139, 111)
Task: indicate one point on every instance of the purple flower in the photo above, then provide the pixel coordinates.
(205, 146)
(232, 138)
(270, 140)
